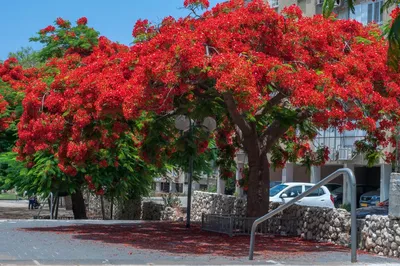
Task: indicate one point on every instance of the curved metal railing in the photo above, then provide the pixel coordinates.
(50, 206)
(349, 174)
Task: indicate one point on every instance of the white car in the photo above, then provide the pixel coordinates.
(283, 193)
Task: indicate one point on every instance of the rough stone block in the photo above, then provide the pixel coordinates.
(394, 196)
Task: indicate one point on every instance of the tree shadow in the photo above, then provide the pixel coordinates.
(176, 238)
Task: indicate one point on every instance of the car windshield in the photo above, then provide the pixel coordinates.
(337, 191)
(276, 189)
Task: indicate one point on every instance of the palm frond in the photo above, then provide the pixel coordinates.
(327, 7)
(393, 56)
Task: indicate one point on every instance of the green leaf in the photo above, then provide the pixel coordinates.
(394, 44)
(350, 4)
(387, 4)
(327, 7)
(360, 39)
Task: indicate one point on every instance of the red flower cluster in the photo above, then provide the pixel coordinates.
(63, 23)
(48, 29)
(292, 12)
(4, 122)
(201, 3)
(202, 146)
(82, 21)
(395, 13)
(142, 27)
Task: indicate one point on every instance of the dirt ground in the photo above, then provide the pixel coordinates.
(13, 209)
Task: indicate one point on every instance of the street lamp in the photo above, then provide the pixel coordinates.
(184, 123)
(241, 160)
(397, 165)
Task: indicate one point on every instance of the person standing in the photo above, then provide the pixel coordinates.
(31, 202)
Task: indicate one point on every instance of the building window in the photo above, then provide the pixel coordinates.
(179, 187)
(368, 12)
(165, 187)
(274, 3)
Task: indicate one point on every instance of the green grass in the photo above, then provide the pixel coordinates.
(7, 196)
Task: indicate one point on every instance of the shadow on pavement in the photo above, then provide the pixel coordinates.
(175, 238)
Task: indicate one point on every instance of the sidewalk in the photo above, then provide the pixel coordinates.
(18, 209)
(39, 242)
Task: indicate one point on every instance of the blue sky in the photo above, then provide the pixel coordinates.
(114, 19)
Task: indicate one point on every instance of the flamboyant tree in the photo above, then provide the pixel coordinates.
(13, 79)
(279, 77)
(271, 81)
(73, 131)
(391, 28)
(64, 144)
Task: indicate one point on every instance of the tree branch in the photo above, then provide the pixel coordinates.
(270, 104)
(276, 130)
(237, 118)
(272, 134)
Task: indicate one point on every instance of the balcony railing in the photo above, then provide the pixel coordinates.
(274, 3)
(341, 147)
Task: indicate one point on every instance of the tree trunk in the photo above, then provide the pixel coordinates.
(257, 146)
(258, 191)
(78, 205)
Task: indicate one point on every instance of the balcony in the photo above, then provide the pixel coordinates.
(274, 3)
(341, 145)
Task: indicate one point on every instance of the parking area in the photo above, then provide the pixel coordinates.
(37, 242)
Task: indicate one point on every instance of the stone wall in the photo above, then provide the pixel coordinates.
(313, 223)
(131, 209)
(213, 203)
(322, 224)
(151, 210)
(128, 209)
(381, 235)
(173, 214)
(122, 210)
(377, 234)
(68, 203)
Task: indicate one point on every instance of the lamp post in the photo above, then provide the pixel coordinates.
(397, 165)
(241, 160)
(186, 124)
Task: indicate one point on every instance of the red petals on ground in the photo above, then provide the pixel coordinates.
(175, 238)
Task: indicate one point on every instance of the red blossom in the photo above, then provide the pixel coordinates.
(62, 23)
(47, 29)
(103, 163)
(100, 192)
(142, 27)
(82, 21)
(292, 11)
(201, 3)
(395, 13)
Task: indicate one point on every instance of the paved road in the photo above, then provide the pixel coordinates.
(21, 247)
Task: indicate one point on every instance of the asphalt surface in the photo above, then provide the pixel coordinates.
(27, 247)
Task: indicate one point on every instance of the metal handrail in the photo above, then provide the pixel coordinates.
(50, 207)
(330, 177)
